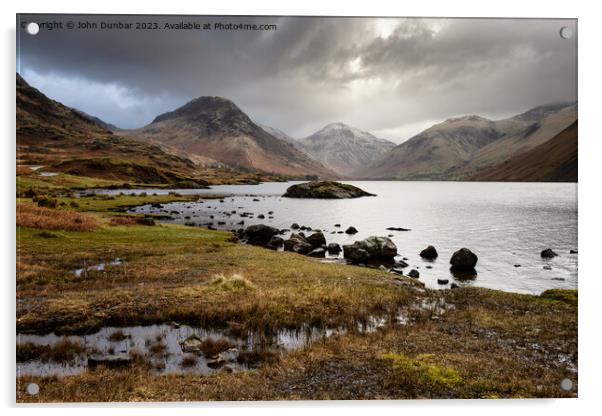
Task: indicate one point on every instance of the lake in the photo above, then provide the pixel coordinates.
(505, 224)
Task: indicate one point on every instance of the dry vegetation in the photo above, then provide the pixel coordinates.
(489, 344)
(31, 216)
(64, 350)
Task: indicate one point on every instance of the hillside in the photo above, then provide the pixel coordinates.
(551, 161)
(215, 128)
(344, 149)
(460, 147)
(66, 140)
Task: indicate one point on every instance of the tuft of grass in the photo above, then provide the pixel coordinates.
(63, 351)
(211, 347)
(569, 296)
(30, 216)
(189, 361)
(47, 234)
(118, 335)
(419, 371)
(229, 283)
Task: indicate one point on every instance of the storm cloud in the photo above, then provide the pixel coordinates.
(393, 77)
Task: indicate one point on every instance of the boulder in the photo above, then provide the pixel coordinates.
(333, 248)
(429, 253)
(317, 239)
(400, 264)
(398, 229)
(548, 253)
(454, 286)
(374, 247)
(443, 281)
(191, 344)
(351, 230)
(259, 234)
(275, 242)
(324, 190)
(355, 254)
(463, 260)
(414, 273)
(294, 226)
(297, 244)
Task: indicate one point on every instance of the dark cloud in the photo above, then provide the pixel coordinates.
(390, 76)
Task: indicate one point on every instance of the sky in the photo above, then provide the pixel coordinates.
(393, 77)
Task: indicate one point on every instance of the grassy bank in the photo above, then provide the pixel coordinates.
(488, 344)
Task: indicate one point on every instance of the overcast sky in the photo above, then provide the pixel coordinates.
(392, 77)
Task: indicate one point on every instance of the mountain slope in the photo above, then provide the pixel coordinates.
(68, 140)
(521, 133)
(216, 128)
(460, 147)
(552, 161)
(433, 152)
(344, 149)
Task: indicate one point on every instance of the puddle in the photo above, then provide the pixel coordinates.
(35, 167)
(48, 174)
(174, 349)
(99, 266)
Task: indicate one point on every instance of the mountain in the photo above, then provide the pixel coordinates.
(520, 134)
(460, 147)
(552, 161)
(433, 152)
(215, 128)
(344, 149)
(100, 123)
(279, 134)
(70, 141)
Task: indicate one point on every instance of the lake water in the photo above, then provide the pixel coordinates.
(505, 224)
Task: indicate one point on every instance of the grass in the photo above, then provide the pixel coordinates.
(418, 372)
(211, 347)
(490, 344)
(229, 283)
(63, 351)
(31, 216)
(455, 356)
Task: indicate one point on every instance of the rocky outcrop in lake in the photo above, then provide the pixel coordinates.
(325, 190)
(463, 260)
(372, 248)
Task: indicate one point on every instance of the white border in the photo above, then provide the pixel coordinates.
(590, 202)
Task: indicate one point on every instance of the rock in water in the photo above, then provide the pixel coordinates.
(351, 230)
(463, 260)
(317, 239)
(298, 244)
(259, 234)
(370, 248)
(325, 190)
(275, 242)
(548, 253)
(355, 254)
(333, 248)
(429, 253)
(414, 273)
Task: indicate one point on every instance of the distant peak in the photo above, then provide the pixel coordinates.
(471, 117)
(199, 105)
(336, 126)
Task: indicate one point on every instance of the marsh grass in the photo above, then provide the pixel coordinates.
(418, 371)
(31, 216)
(228, 283)
(64, 350)
(211, 347)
